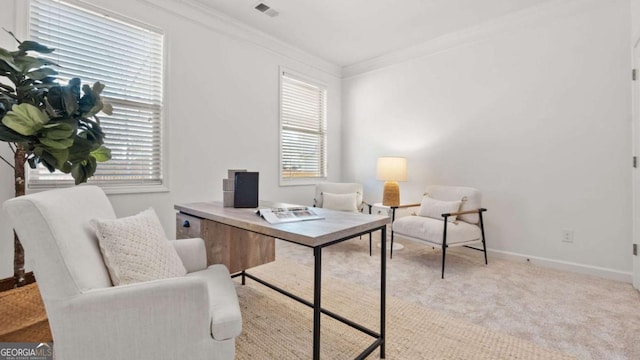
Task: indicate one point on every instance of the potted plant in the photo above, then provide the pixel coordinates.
(47, 123)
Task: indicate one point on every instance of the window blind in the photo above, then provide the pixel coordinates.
(303, 132)
(126, 58)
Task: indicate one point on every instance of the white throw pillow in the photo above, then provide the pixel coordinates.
(136, 249)
(344, 202)
(433, 208)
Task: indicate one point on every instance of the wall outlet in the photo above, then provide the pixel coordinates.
(567, 235)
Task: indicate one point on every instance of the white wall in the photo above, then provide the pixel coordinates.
(221, 112)
(537, 116)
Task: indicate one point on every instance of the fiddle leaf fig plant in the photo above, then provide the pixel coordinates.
(54, 125)
(47, 123)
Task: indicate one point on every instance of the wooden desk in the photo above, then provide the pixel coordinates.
(236, 248)
(336, 227)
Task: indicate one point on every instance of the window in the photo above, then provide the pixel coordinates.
(303, 130)
(127, 58)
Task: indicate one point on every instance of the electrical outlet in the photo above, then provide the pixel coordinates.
(567, 235)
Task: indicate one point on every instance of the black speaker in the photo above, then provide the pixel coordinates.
(246, 190)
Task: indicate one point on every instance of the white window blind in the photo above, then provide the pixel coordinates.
(127, 58)
(303, 129)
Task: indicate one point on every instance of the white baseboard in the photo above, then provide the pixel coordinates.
(606, 273)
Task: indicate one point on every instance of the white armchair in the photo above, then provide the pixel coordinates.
(450, 216)
(341, 196)
(196, 316)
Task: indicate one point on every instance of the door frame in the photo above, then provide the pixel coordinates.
(635, 131)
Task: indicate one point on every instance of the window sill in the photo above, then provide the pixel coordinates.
(113, 190)
(301, 182)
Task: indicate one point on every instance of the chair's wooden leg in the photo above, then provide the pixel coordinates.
(484, 243)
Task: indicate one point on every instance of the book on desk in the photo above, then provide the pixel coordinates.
(290, 214)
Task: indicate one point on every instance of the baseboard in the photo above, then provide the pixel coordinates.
(605, 273)
(8, 283)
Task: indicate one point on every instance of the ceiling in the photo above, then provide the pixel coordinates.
(346, 32)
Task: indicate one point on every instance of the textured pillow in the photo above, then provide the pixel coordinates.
(344, 202)
(433, 208)
(136, 249)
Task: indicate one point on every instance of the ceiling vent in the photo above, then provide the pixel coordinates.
(262, 7)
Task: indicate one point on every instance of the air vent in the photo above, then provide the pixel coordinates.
(262, 7)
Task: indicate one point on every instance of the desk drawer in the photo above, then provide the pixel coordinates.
(188, 226)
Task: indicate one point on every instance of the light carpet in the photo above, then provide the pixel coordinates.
(276, 327)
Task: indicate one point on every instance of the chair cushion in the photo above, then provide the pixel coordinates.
(226, 319)
(471, 199)
(430, 230)
(434, 208)
(343, 202)
(135, 249)
(338, 188)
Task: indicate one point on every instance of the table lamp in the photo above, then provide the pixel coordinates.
(391, 170)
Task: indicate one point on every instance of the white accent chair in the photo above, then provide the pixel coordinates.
(196, 316)
(443, 233)
(342, 188)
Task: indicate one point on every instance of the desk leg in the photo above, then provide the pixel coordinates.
(383, 289)
(317, 277)
(243, 277)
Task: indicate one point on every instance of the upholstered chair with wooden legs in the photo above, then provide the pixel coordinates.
(448, 216)
(343, 197)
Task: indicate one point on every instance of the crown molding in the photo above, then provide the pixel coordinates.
(203, 15)
(504, 24)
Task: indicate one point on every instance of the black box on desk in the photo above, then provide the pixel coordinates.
(246, 190)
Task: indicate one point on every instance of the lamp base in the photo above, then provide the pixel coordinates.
(391, 194)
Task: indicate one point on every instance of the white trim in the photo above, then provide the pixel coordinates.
(505, 24)
(635, 177)
(606, 273)
(209, 18)
(125, 189)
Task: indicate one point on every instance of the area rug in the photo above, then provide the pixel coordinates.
(276, 327)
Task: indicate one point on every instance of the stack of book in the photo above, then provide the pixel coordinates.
(240, 190)
(228, 187)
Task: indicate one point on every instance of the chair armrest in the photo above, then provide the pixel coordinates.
(475, 211)
(148, 315)
(192, 252)
(406, 206)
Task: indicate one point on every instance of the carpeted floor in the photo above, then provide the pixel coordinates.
(585, 316)
(276, 327)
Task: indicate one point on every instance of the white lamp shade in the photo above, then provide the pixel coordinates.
(392, 169)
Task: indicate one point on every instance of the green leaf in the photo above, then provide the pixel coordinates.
(41, 74)
(25, 119)
(7, 58)
(59, 129)
(70, 100)
(84, 170)
(56, 144)
(8, 135)
(29, 45)
(102, 154)
(52, 158)
(27, 63)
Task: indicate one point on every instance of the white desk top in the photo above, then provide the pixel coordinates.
(336, 225)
